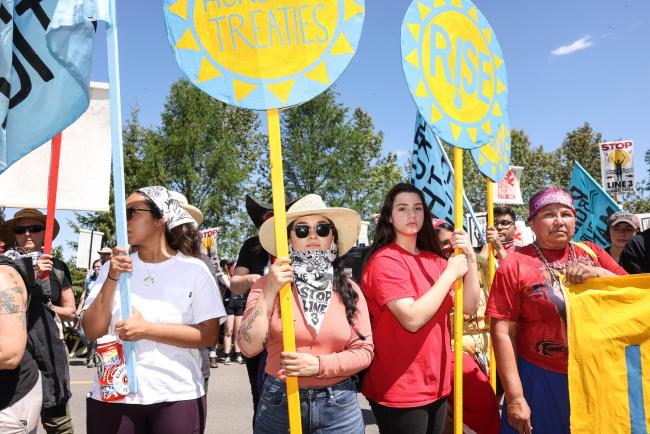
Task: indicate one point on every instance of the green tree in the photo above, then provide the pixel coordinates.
(538, 168)
(208, 151)
(579, 145)
(205, 149)
(338, 155)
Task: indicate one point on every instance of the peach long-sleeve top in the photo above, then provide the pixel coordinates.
(340, 350)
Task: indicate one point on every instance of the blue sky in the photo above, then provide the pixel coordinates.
(605, 81)
(568, 62)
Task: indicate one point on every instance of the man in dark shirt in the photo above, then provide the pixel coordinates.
(636, 254)
(252, 263)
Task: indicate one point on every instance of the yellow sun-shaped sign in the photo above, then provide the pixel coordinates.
(264, 54)
(455, 70)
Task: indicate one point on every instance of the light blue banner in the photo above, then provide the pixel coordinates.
(593, 207)
(46, 51)
(433, 173)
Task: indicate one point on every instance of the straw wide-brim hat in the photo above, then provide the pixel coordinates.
(346, 221)
(6, 230)
(105, 251)
(193, 211)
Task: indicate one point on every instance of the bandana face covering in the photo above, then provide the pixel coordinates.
(314, 278)
(171, 209)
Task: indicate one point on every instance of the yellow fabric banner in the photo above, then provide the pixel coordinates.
(609, 355)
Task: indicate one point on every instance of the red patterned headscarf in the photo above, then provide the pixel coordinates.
(549, 196)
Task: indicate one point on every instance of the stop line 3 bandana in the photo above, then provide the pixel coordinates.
(314, 277)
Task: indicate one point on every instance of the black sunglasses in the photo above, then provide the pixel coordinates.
(33, 229)
(322, 230)
(504, 223)
(130, 211)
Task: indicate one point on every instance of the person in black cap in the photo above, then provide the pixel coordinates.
(636, 254)
(252, 263)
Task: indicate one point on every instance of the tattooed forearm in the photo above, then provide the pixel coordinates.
(11, 301)
(245, 329)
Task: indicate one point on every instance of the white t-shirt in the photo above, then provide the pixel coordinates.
(183, 292)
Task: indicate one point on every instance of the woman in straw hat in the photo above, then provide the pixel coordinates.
(176, 311)
(407, 283)
(26, 232)
(332, 327)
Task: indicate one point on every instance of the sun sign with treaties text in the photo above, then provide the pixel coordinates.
(264, 54)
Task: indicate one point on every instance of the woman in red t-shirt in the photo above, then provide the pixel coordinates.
(407, 287)
(528, 312)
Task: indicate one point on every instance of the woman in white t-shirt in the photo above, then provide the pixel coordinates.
(176, 311)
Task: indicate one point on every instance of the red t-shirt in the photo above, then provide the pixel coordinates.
(408, 369)
(524, 291)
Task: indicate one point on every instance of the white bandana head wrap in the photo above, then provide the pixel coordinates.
(171, 209)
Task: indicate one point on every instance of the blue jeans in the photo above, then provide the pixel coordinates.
(331, 410)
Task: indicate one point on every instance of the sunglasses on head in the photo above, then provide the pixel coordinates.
(33, 229)
(130, 211)
(322, 230)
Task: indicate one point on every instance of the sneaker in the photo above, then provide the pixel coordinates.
(226, 359)
(239, 359)
(213, 362)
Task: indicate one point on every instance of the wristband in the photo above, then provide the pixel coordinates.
(109, 276)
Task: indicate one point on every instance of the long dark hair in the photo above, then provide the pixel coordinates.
(341, 284)
(385, 232)
(185, 238)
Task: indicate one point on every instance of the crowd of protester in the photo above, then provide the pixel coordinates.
(375, 319)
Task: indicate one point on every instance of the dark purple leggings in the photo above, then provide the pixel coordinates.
(178, 417)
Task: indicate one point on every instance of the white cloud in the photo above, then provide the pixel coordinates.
(581, 44)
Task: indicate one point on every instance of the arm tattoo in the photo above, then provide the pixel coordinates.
(244, 331)
(10, 301)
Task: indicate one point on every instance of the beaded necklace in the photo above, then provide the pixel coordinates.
(553, 268)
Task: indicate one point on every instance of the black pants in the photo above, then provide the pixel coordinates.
(428, 419)
(252, 367)
(179, 417)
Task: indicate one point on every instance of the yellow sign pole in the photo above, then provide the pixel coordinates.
(458, 307)
(491, 268)
(281, 246)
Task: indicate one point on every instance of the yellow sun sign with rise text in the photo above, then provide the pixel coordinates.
(455, 70)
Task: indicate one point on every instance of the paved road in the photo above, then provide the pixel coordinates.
(229, 402)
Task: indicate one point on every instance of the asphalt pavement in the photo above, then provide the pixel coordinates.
(229, 401)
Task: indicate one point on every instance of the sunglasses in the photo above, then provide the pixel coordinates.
(33, 229)
(504, 223)
(322, 230)
(130, 211)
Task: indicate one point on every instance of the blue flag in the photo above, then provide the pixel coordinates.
(593, 207)
(45, 60)
(433, 174)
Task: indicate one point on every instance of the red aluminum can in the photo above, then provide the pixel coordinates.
(111, 369)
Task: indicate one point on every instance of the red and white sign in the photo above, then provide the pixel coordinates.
(508, 190)
(617, 166)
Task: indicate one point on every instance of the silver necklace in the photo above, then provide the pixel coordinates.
(148, 280)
